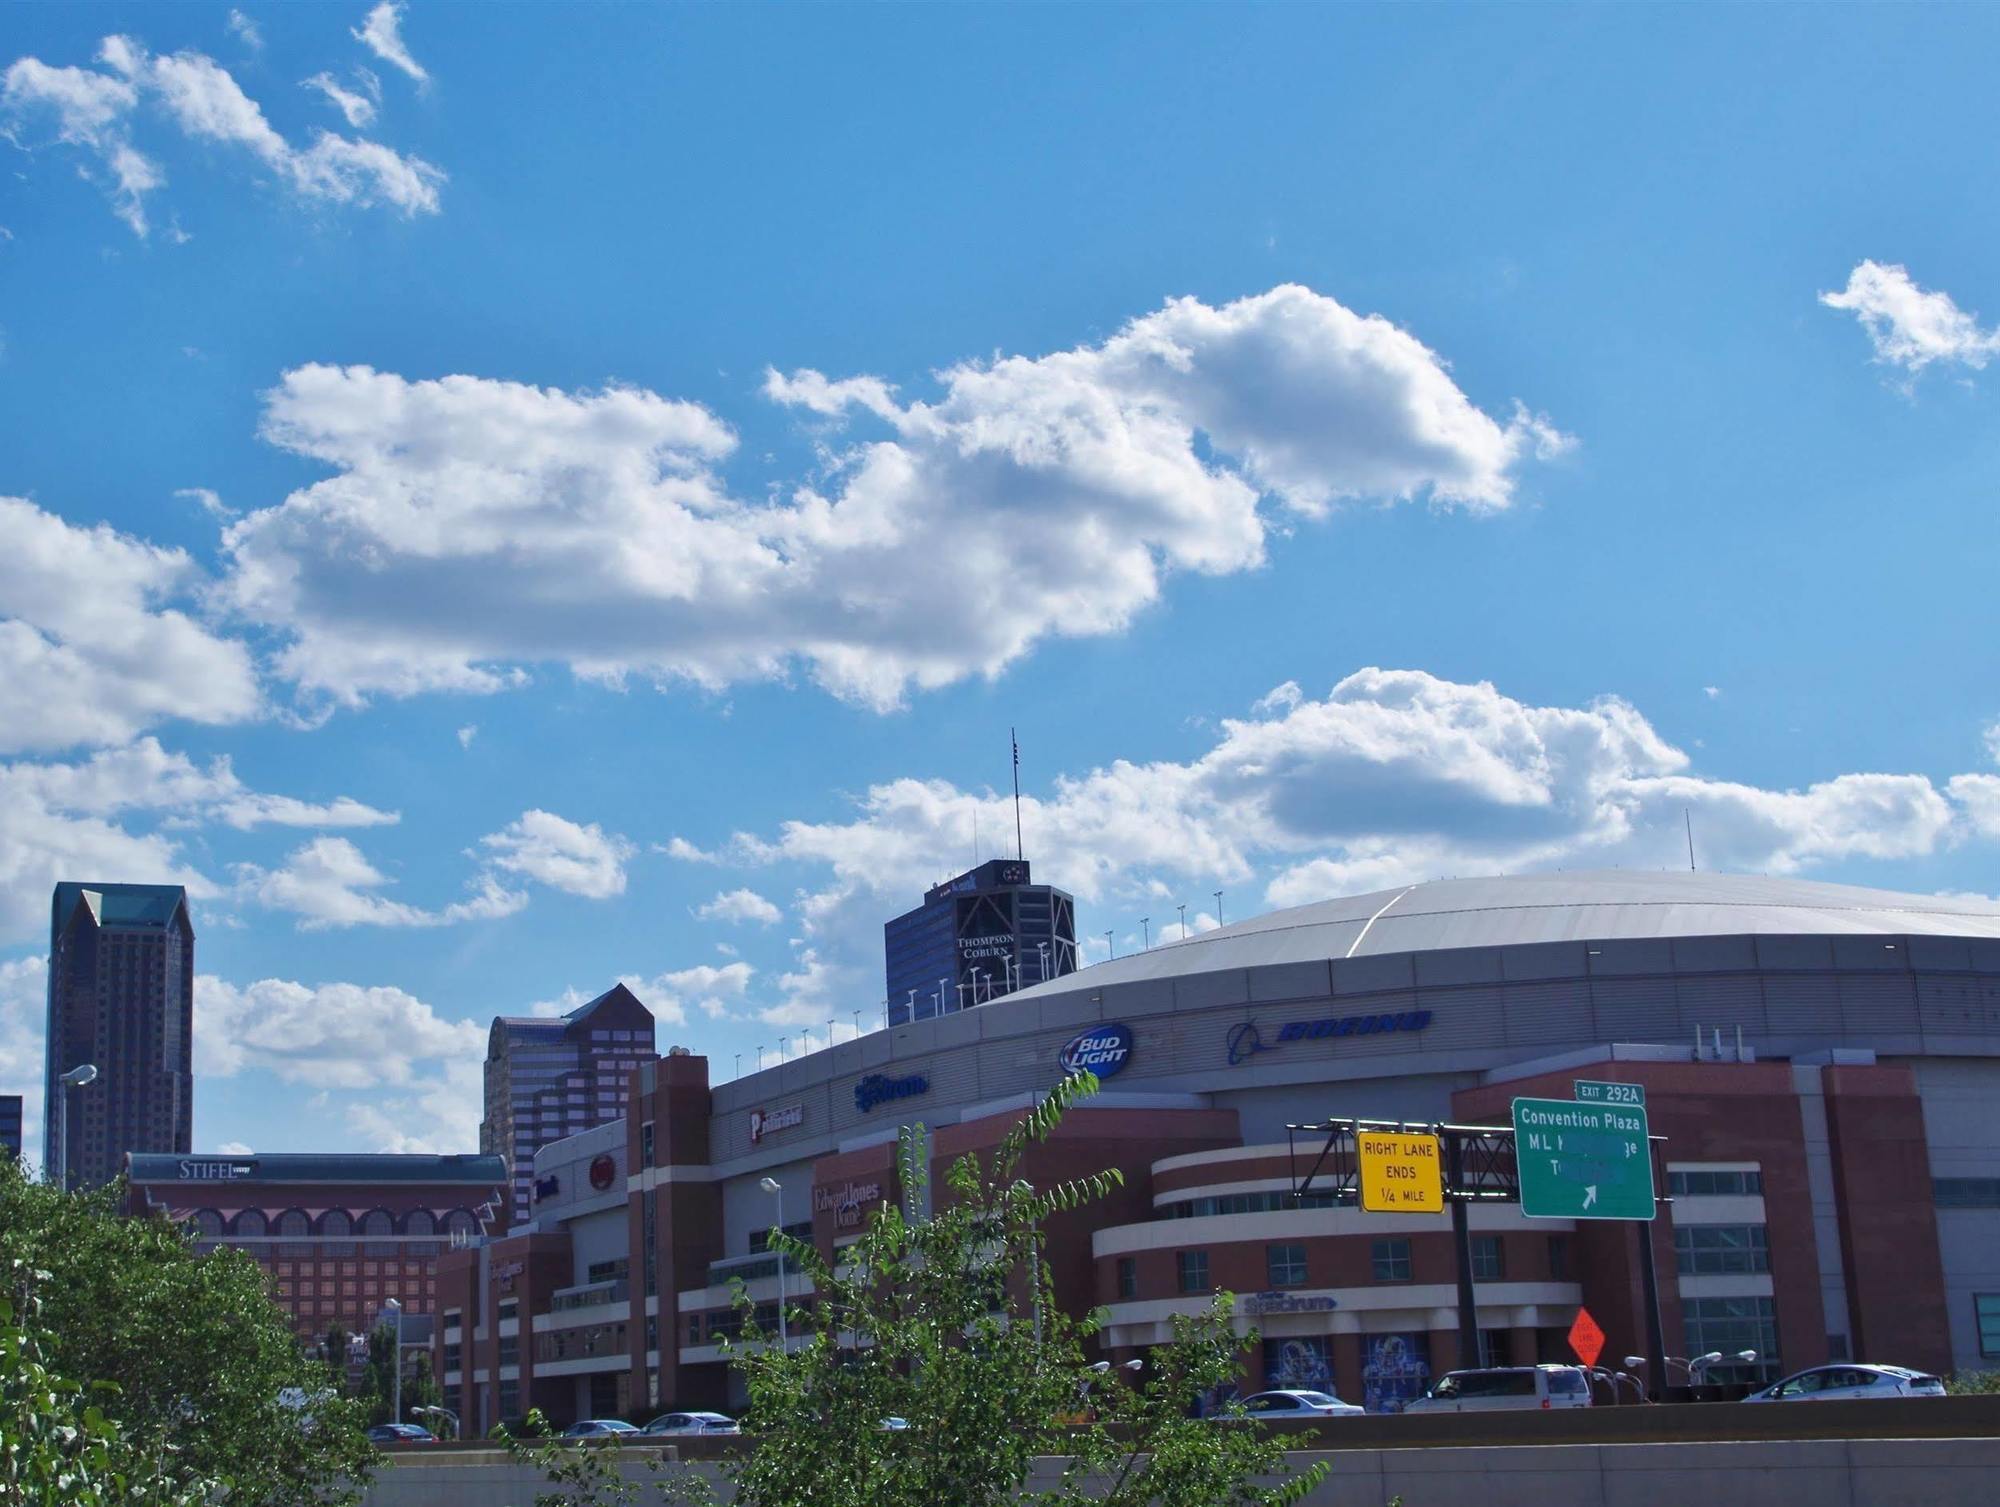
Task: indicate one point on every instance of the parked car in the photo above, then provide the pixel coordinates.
(597, 1428)
(691, 1423)
(401, 1433)
(1500, 1387)
(1837, 1383)
(1290, 1403)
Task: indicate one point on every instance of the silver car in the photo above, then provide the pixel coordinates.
(1290, 1403)
(1850, 1380)
(692, 1423)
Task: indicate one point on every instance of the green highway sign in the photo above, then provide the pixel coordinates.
(1591, 1092)
(1582, 1161)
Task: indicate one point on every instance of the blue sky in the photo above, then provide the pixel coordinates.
(500, 502)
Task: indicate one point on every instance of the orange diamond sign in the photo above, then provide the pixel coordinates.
(1585, 1338)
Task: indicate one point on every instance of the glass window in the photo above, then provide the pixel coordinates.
(1391, 1260)
(1493, 1347)
(1715, 1249)
(1193, 1269)
(1128, 1277)
(646, 1144)
(1695, 1183)
(1301, 1362)
(510, 1349)
(1986, 1310)
(1966, 1192)
(1559, 1258)
(1285, 1265)
(1489, 1259)
(1730, 1325)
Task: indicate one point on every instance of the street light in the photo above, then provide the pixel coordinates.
(76, 1077)
(395, 1309)
(777, 1190)
(437, 1411)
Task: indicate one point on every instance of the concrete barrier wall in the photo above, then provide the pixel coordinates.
(1750, 1473)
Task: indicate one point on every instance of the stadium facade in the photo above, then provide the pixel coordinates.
(1822, 1061)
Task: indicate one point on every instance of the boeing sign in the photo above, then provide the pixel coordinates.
(1246, 1041)
(1104, 1050)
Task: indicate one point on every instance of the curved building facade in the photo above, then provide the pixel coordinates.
(1822, 1061)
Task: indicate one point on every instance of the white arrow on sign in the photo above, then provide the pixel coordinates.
(1589, 1194)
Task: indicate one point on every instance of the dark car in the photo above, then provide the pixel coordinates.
(401, 1433)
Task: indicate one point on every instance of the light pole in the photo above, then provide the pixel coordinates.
(395, 1310)
(76, 1077)
(777, 1191)
(1183, 911)
(1043, 949)
(1218, 907)
(1146, 933)
(1696, 1366)
(1110, 947)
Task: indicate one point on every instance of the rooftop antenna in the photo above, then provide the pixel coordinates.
(1019, 852)
(1687, 815)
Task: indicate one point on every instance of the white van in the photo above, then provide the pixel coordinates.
(1504, 1387)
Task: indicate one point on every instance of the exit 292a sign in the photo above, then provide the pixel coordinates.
(1582, 1161)
(1590, 1091)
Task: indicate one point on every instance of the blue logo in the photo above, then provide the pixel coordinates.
(1245, 1041)
(876, 1089)
(1104, 1050)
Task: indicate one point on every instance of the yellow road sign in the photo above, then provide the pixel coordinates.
(1400, 1174)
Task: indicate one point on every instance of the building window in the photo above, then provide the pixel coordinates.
(1493, 1347)
(648, 1211)
(1285, 1265)
(1128, 1277)
(508, 1308)
(1193, 1269)
(1966, 1192)
(1717, 1249)
(1559, 1258)
(510, 1401)
(1730, 1325)
(451, 1354)
(1268, 1202)
(510, 1349)
(1391, 1260)
(1986, 1312)
(1699, 1184)
(646, 1144)
(1489, 1259)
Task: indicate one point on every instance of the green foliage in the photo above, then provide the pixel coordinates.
(949, 1322)
(1972, 1383)
(202, 1358)
(57, 1448)
(377, 1389)
(586, 1473)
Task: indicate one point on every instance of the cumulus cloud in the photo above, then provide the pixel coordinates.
(382, 34)
(580, 859)
(246, 30)
(95, 109)
(1909, 326)
(712, 989)
(93, 646)
(1392, 777)
(328, 882)
(207, 499)
(1992, 740)
(356, 105)
(739, 905)
(474, 527)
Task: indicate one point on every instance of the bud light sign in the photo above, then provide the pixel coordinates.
(1104, 1050)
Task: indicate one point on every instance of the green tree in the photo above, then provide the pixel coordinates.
(57, 1448)
(948, 1322)
(377, 1390)
(211, 1383)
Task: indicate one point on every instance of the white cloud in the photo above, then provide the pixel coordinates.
(1910, 326)
(1392, 777)
(329, 883)
(740, 905)
(24, 1007)
(1712, 692)
(1992, 740)
(94, 111)
(235, 1148)
(207, 499)
(580, 859)
(714, 990)
(357, 106)
(246, 29)
(467, 733)
(92, 649)
(473, 527)
(382, 35)
(1278, 699)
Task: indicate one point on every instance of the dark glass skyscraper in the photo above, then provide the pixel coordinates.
(984, 934)
(121, 997)
(10, 1125)
(553, 1076)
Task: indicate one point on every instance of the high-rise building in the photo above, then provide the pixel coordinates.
(121, 998)
(984, 934)
(547, 1078)
(10, 1125)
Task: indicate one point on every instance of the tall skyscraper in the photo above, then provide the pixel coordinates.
(10, 1125)
(984, 934)
(547, 1078)
(121, 997)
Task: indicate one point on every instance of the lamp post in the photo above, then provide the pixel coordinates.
(777, 1191)
(76, 1077)
(1183, 911)
(1146, 933)
(1218, 907)
(1043, 949)
(395, 1311)
(1698, 1364)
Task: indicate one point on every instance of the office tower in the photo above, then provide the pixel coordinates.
(121, 998)
(10, 1125)
(984, 934)
(547, 1078)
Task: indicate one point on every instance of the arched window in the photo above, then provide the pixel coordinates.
(295, 1229)
(420, 1227)
(376, 1222)
(205, 1224)
(251, 1223)
(334, 1228)
(460, 1226)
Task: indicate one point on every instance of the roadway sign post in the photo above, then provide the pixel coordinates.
(1582, 1161)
